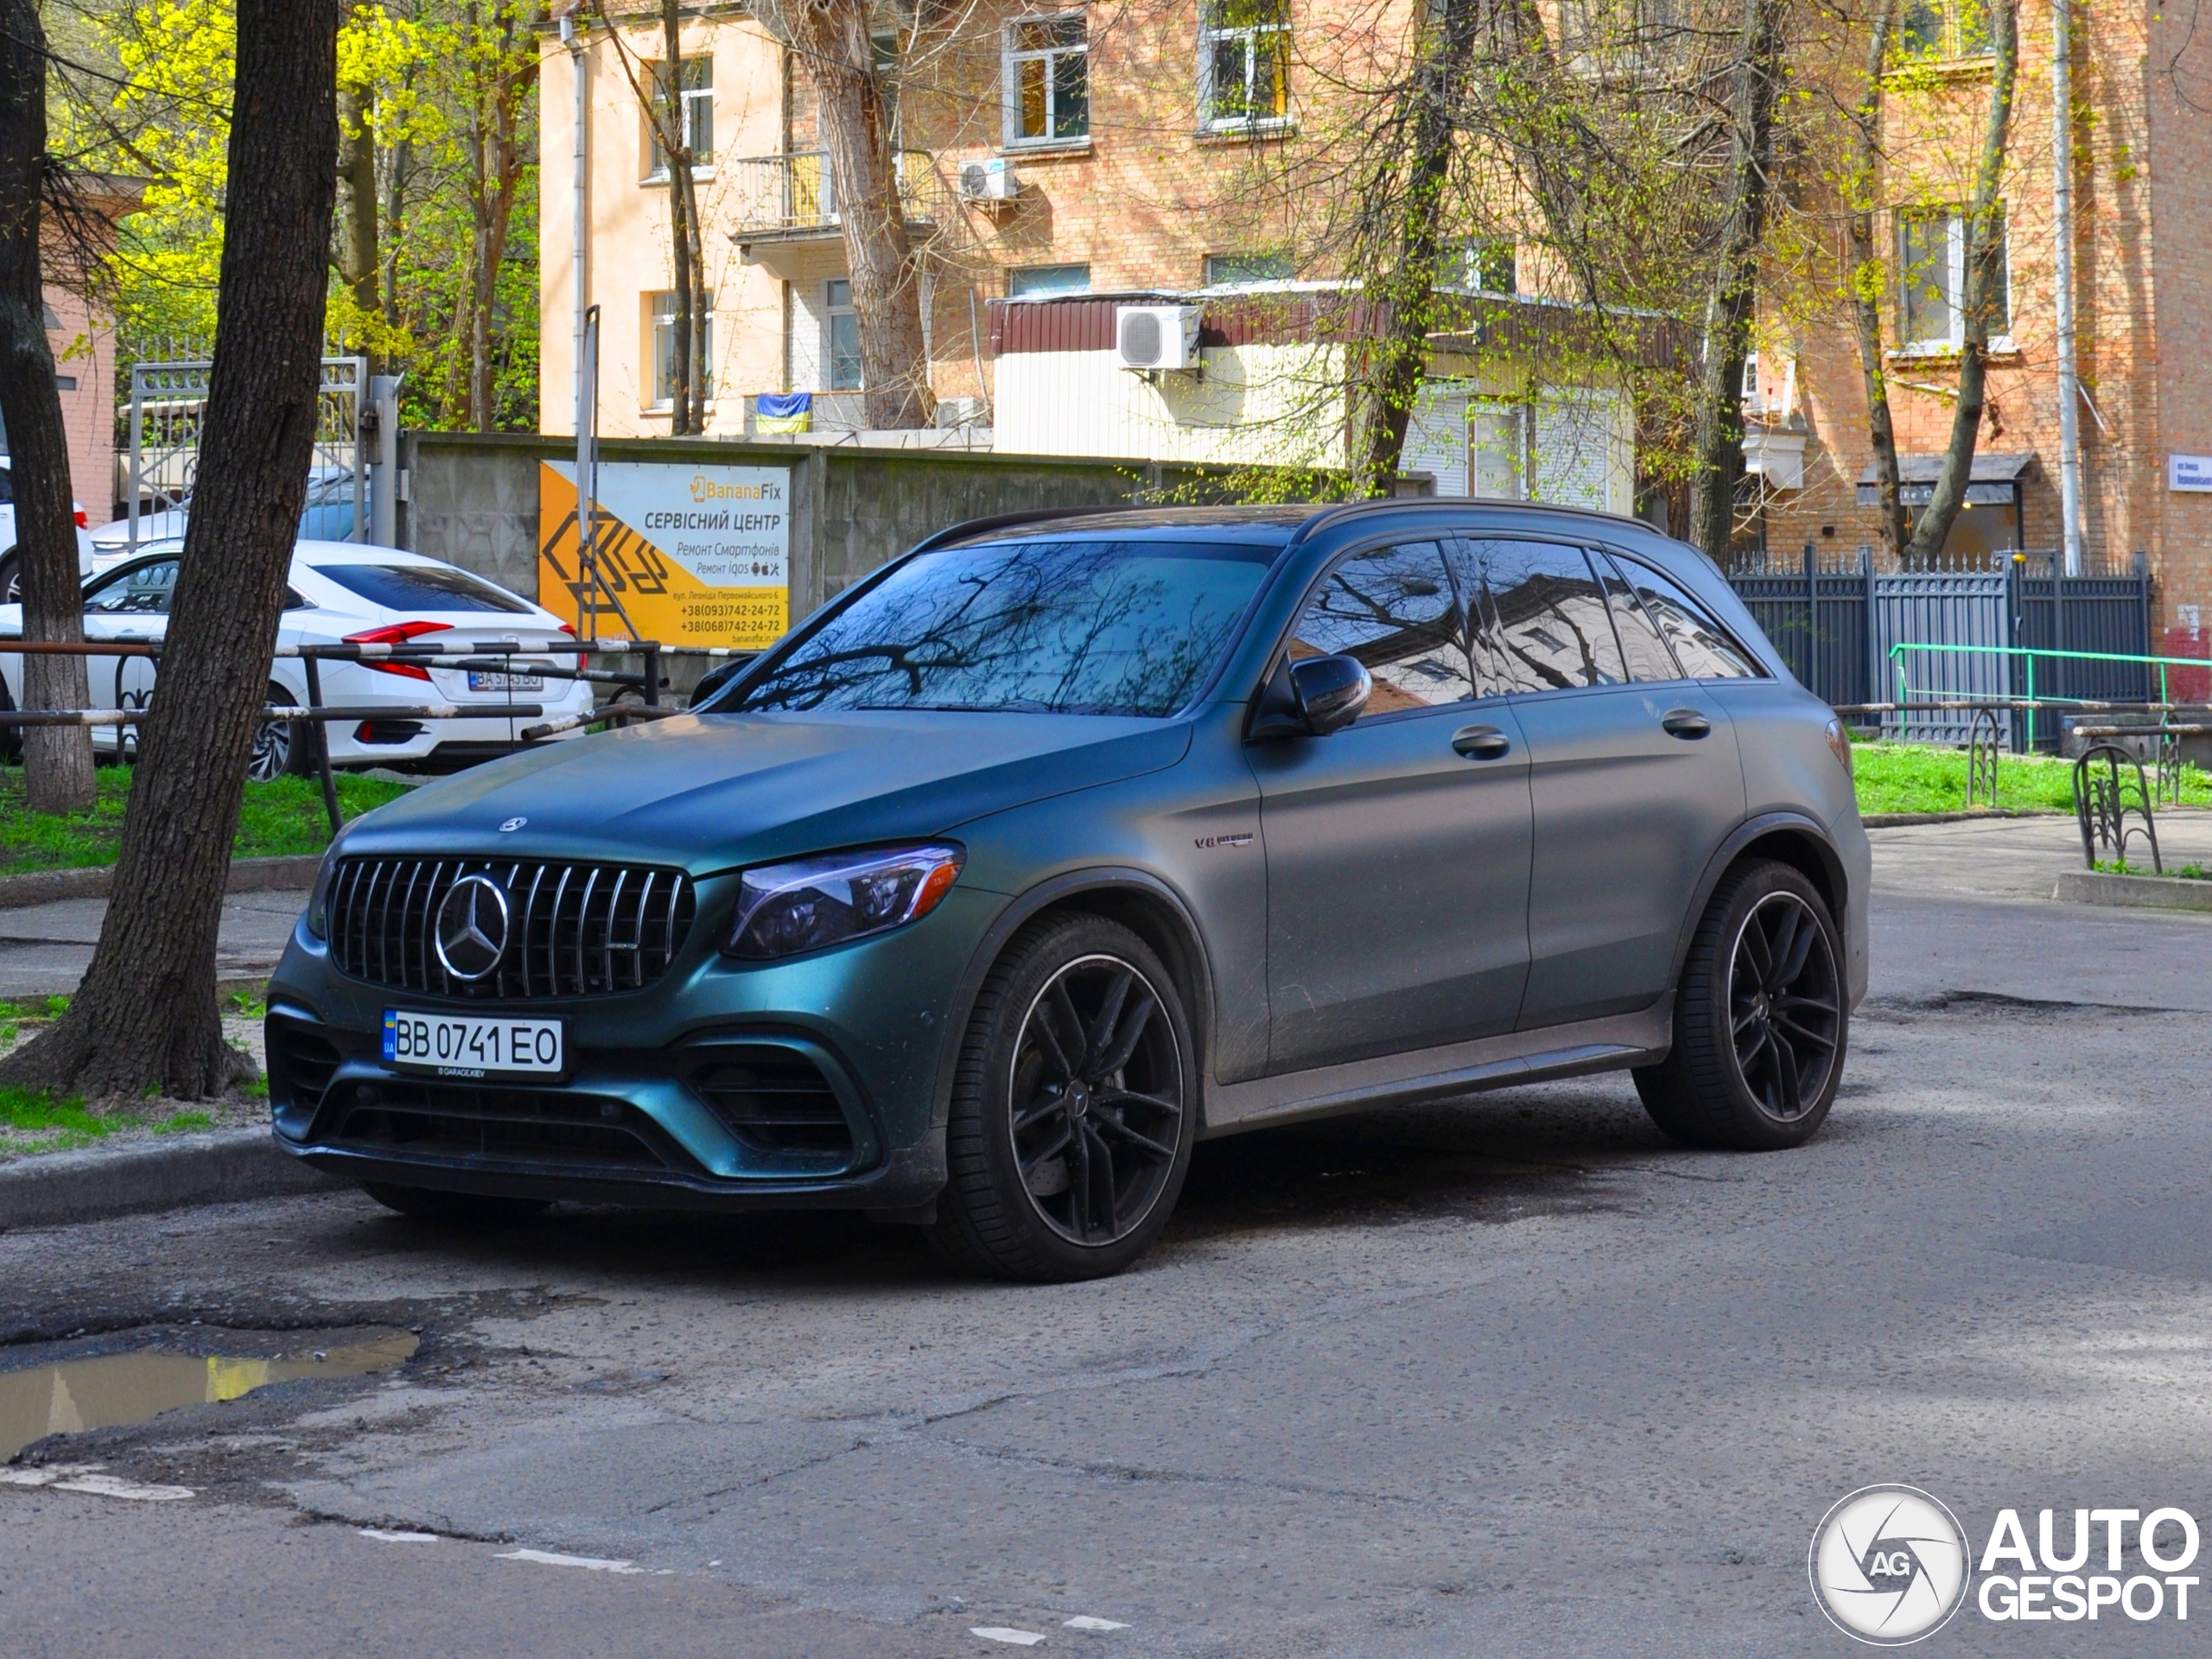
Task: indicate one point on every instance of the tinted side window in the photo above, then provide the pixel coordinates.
(1702, 644)
(143, 592)
(1394, 608)
(1647, 653)
(1539, 618)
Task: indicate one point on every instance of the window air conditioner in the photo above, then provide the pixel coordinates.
(1156, 336)
(987, 182)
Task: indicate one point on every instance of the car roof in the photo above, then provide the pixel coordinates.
(1269, 525)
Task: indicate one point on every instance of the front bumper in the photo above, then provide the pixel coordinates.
(813, 1082)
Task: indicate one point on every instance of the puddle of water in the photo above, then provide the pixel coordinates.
(103, 1390)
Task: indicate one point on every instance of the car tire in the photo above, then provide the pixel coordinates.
(1761, 1018)
(282, 748)
(11, 737)
(455, 1209)
(11, 585)
(1042, 1139)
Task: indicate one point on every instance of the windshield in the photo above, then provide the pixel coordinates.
(1090, 627)
(421, 588)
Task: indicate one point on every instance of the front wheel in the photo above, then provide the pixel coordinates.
(1761, 1020)
(1073, 1110)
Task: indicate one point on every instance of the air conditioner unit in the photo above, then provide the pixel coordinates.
(987, 182)
(1156, 336)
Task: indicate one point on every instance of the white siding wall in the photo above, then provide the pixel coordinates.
(1254, 406)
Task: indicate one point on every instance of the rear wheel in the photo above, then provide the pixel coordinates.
(11, 580)
(457, 1208)
(1074, 1107)
(1761, 1020)
(280, 747)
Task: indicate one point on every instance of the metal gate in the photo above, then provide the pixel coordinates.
(169, 406)
(1834, 621)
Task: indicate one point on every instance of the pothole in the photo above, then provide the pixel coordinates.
(131, 1377)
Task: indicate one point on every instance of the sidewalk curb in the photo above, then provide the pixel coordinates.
(1905, 820)
(60, 1189)
(2133, 892)
(247, 875)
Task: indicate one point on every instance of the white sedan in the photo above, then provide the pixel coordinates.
(345, 592)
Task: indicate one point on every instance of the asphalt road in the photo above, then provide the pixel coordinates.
(1506, 1376)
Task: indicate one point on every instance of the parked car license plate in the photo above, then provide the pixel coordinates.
(455, 1047)
(493, 680)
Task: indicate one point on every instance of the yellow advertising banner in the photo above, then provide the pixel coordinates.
(688, 555)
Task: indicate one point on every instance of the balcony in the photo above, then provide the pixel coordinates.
(794, 197)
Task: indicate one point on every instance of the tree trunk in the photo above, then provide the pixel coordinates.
(1934, 526)
(1717, 456)
(1870, 283)
(492, 200)
(1398, 360)
(57, 760)
(682, 203)
(833, 37)
(145, 1017)
(357, 206)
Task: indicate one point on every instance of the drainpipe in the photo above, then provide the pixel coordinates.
(2061, 195)
(576, 264)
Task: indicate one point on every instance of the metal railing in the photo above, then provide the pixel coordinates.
(2031, 699)
(797, 192)
(495, 658)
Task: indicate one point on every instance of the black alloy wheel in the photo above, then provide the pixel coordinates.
(1074, 1108)
(1097, 1094)
(279, 746)
(1762, 1018)
(1785, 1005)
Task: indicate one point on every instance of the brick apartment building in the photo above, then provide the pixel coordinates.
(1136, 142)
(1131, 159)
(2142, 198)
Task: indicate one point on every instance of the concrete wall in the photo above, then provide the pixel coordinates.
(473, 500)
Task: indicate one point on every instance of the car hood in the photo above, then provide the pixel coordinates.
(712, 792)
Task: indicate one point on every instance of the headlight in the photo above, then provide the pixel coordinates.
(785, 908)
(318, 900)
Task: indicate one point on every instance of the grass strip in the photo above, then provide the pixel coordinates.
(282, 818)
(1925, 777)
(36, 1122)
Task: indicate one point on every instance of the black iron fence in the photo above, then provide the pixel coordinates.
(1835, 621)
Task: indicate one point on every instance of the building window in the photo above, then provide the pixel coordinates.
(664, 309)
(1244, 269)
(844, 329)
(1751, 387)
(1048, 279)
(1479, 267)
(1932, 280)
(1245, 65)
(1047, 81)
(698, 128)
(1944, 29)
(1497, 452)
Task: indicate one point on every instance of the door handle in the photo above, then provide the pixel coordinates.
(1480, 742)
(1685, 723)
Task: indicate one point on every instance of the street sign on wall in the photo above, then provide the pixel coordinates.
(688, 556)
(2190, 473)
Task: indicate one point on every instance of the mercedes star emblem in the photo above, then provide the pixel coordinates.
(472, 934)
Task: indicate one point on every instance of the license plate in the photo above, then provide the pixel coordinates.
(495, 681)
(453, 1046)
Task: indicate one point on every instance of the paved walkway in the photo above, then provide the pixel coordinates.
(2013, 858)
(45, 948)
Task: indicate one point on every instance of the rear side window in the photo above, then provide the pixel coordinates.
(142, 591)
(1646, 653)
(1394, 608)
(1540, 618)
(1702, 646)
(421, 588)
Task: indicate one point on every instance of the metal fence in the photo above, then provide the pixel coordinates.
(1835, 620)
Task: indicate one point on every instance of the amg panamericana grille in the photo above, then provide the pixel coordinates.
(574, 929)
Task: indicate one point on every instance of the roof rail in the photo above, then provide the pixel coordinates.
(1007, 521)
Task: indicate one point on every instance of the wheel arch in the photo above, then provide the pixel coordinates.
(1140, 901)
(1788, 838)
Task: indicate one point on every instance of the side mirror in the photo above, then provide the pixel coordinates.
(712, 682)
(1329, 692)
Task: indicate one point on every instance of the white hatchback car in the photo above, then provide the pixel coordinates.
(344, 592)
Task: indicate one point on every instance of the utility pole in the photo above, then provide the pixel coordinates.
(2073, 529)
